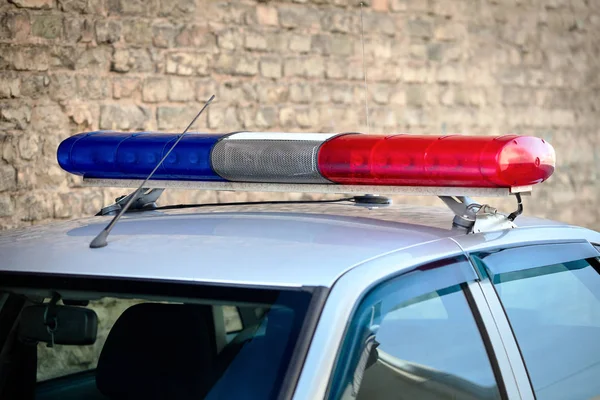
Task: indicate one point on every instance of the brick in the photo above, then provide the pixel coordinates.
(272, 94)
(155, 90)
(67, 205)
(93, 87)
(267, 15)
(29, 146)
(336, 69)
(307, 117)
(321, 44)
(108, 31)
(450, 30)
(380, 93)
(342, 94)
(291, 16)
(47, 26)
(181, 89)
(237, 64)
(24, 58)
(7, 207)
(84, 115)
(342, 45)
(164, 34)
(266, 117)
(420, 28)
(125, 87)
(93, 59)
(379, 23)
(73, 29)
(230, 39)
(8, 178)
(255, 41)
(16, 116)
(271, 68)
(450, 74)
(137, 31)
(379, 5)
(300, 93)
(10, 86)
(124, 116)
(287, 117)
(38, 86)
(340, 21)
(133, 7)
(34, 207)
(399, 5)
(62, 87)
(417, 75)
(49, 119)
(222, 118)
(247, 117)
(398, 97)
(204, 89)
(176, 118)
(36, 4)
(186, 64)
(196, 36)
(177, 8)
(300, 43)
(15, 26)
(237, 93)
(231, 13)
(309, 67)
(74, 6)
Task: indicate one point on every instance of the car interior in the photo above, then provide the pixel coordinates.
(155, 349)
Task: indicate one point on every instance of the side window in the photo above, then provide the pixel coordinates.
(415, 336)
(551, 296)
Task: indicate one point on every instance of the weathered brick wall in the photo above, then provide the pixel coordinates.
(471, 66)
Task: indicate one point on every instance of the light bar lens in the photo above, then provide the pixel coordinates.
(134, 156)
(412, 160)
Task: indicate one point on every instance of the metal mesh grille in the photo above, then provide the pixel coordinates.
(275, 161)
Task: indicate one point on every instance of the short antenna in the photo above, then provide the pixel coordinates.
(100, 240)
(362, 39)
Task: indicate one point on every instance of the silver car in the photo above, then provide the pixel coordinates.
(344, 298)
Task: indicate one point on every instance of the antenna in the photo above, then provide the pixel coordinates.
(362, 39)
(100, 240)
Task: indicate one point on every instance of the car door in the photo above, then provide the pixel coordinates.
(550, 295)
(422, 334)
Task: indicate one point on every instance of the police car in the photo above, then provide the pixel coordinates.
(341, 298)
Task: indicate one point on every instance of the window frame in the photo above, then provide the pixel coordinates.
(497, 308)
(479, 311)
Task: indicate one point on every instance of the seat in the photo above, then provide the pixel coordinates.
(159, 351)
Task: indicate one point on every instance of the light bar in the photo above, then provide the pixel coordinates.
(313, 158)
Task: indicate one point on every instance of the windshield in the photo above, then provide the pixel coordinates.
(96, 338)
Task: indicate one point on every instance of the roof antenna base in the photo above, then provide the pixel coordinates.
(146, 200)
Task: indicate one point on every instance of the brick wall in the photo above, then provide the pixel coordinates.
(477, 67)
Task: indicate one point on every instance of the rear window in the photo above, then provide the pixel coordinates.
(83, 339)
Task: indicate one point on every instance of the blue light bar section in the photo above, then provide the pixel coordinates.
(108, 154)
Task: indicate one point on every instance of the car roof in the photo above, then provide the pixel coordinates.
(309, 244)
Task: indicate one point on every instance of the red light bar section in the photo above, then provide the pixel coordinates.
(423, 160)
